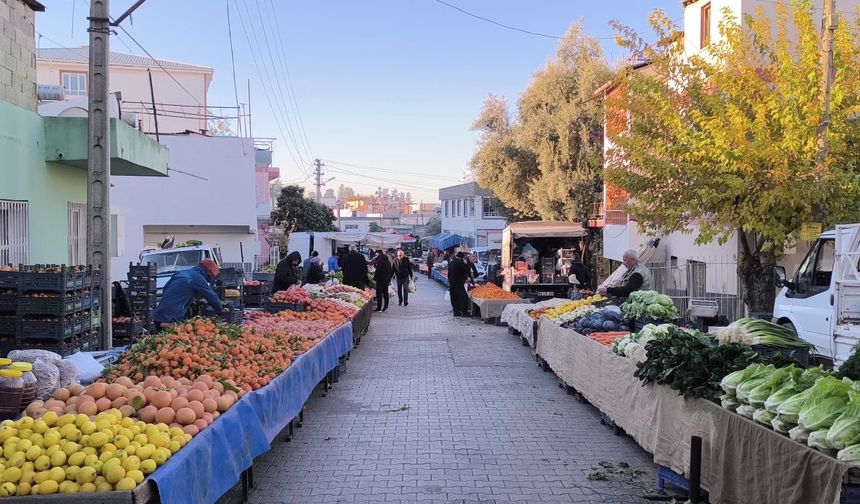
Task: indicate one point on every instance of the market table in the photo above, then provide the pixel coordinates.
(517, 317)
(439, 277)
(493, 308)
(213, 462)
(738, 454)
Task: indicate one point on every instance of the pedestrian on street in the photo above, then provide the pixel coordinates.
(315, 273)
(334, 263)
(403, 275)
(382, 278)
(473, 268)
(306, 267)
(355, 269)
(430, 264)
(287, 273)
(458, 274)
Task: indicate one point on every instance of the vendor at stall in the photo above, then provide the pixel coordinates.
(637, 277)
(355, 269)
(184, 287)
(287, 272)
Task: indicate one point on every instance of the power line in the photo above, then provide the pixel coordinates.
(232, 58)
(392, 171)
(274, 108)
(509, 27)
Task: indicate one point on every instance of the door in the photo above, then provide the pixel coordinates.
(811, 302)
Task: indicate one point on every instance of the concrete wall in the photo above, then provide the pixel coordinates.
(48, 187)
(17, 54)
(227, 196)
(133, 83)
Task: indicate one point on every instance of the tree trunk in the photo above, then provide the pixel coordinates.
(756, 273)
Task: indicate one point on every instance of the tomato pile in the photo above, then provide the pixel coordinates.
(292, 296)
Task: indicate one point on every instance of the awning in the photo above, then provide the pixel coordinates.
(443, 241)
(546, 229)
(373, 240)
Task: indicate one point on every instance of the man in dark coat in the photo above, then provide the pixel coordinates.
(578, 268)
(287, 272)
(458, 273)
(382, 278)
(182, 288)
(355, 269)
(430, 259)
(403, 273)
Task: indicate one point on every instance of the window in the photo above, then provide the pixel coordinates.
(77, 233)
(459, 208)
(705, 26)
(446, 208)
(75, 84)
(14, 232)
(816, 271)
(489, 208)
(351, 227)
(472, 207)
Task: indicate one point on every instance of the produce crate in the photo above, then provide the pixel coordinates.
(801, 355)
(142, 285)
(666, 475)
(278, 307)
(61, 328)
(128, 329)
(232, 316)
(263, 288)
(263, 277)
(231, 278)
(88, 342)
(63, 346)
(8, 303)
(9, 279)
(64, 281)
(141, 270)
(7, 344)
(91, 277)
(8, 325)
(255, 300)
(58, 306)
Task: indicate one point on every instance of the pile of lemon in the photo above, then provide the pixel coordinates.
(573, 305)
(77, 454)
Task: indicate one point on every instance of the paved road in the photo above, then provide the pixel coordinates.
(444, 410)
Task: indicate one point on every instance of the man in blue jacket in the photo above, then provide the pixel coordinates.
(182, 288)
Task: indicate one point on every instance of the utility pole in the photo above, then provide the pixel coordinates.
(829, 23)
(98, 163)
(250, 135)
(318, 174)
(98, 150)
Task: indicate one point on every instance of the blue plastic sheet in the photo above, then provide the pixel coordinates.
(445, 240)
(213, 462)
(439, 277)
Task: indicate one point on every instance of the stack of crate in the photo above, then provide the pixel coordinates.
(51, 309)
(547, 269)
(92, 304)
(142, 285)
(9, 281)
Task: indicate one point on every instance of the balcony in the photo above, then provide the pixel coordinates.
(132, 152)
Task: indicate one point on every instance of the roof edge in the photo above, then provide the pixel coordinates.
(33, 4)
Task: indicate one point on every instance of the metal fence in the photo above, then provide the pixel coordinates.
(703, 279)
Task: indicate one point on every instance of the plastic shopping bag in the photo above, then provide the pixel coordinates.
(412, 286)
(391, 291)
(447, 295)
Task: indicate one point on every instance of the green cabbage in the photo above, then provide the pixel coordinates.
(793, 387)
(845, 430)
(818, 439)
(729, 402)
(850, 455)
(746, 410)
(820, 413)
(780, 426)
(789, 411)
(730, 382)
(774, 382)
(763, 416)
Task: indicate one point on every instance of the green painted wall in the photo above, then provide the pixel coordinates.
(49, 187)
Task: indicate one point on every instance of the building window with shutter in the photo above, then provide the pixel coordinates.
(446, 208)
(14, 232)
(705, 26)
(74, 84)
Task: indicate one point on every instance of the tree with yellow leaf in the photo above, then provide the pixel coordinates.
(725, 141)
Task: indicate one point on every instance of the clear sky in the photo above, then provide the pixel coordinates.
(386, 89)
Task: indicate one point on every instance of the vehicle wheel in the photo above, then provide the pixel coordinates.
(789, 326)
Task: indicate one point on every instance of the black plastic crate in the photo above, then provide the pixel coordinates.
(8, 326)
(144, 284)
(9, 279)
(127, 329)
(62, 281)
(263, 277)
(91, 277)
(59, 306)
(279, 307)
(7, 344)
(63, 346)
(801, 355)
(141, 270)
(231, 278)
(48, 329)
(255, 300)
(8, 303)
(263, 288)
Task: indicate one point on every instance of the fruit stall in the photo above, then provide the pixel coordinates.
(172, 403)
(771, 428)
(440, 275)
(491, 300)
(522, 319)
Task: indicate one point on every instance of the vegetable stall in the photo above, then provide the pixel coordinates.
(491, 300)
(199, 391)
(771, 430)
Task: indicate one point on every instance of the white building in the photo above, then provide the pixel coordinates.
(209, 196)
(469, 211)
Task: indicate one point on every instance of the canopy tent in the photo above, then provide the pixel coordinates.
(446, 240)
(373, 240)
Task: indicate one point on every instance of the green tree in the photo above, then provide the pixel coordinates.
(433, 226)
(294, 212)
(548, 163)
(375, 228)
(725, 141)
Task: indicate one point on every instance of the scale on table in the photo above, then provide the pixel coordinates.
(703, 312)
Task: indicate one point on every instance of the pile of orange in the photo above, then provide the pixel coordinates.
(491, 291)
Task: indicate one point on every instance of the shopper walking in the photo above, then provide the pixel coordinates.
(458, 274)
(403, 275)
(382, 279)
(430, 264)
(355, 269)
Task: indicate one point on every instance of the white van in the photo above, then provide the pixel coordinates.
(821, 302)
(169, 261)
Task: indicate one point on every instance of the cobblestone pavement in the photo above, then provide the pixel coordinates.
(444, 410)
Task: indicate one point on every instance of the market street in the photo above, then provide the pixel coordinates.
(437, 409)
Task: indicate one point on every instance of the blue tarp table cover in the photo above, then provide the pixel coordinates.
(439, 277)
(445, 240)
(213, 462)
